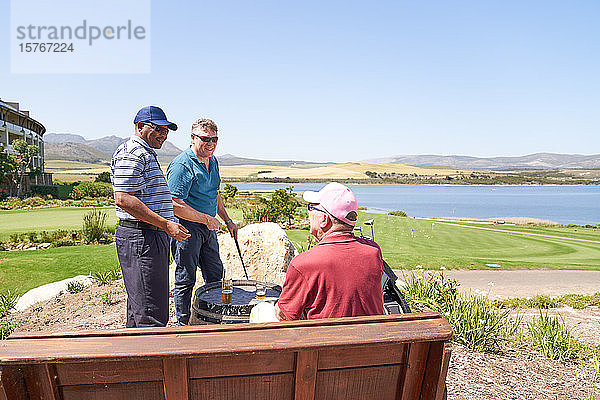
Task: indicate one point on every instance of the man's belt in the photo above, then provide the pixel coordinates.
(128, 223)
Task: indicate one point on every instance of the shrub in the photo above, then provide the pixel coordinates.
(398, 213)
(74, 287)
(91, 189)
(476, 322)
(107, 299)
(552, 337)
(105, 277)
(8, 301)
(103, 177)
(94, 225)
(6, 328)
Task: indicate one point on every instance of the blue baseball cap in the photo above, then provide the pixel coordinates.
(155, 115)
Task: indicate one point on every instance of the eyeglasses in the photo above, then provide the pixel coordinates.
(312, 207)
(160, 129)
(207, 139)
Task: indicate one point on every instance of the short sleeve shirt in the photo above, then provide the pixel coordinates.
(190, 180)
(339, 277)
(135, 169)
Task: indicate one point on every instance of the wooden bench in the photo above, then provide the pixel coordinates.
(379, 357)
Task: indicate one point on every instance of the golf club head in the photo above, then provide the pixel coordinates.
(370, 222)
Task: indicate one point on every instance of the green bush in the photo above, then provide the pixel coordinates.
(105, 277)
(398, 213)
(552, 337)
(94, 225)
(476, 322)
(74, 287)
(103, 177)
(91, 189)
(8, 301)
(6, 328)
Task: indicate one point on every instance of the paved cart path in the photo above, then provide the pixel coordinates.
(525, 283)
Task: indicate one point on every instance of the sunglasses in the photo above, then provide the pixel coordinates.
(312, 207)
(160, 129)
(207, 139)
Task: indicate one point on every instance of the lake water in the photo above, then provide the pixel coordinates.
(563, 204)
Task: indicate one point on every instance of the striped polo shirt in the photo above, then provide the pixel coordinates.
(134, 168)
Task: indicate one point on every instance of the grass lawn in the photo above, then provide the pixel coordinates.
(406, 243)
(579, 232)
(25, 270)
(47, 219)
(437, 245)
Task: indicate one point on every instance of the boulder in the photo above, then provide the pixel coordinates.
(48, 291)
(266, 249)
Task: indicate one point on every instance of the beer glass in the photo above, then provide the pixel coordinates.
(261, 290)
(226, 291)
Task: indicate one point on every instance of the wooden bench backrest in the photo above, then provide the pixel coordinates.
(379, 357)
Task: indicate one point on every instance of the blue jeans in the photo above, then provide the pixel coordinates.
(200, 250)
(144, 259)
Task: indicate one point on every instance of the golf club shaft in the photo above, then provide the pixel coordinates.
(241, 259)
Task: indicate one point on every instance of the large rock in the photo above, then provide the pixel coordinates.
(48, 291)
(266, 249)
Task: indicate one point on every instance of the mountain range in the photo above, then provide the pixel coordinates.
(64, 146)
(61, 146)
(531, 161)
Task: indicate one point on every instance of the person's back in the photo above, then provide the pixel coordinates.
(339, 277)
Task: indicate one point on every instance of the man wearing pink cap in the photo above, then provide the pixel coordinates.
(341, 275)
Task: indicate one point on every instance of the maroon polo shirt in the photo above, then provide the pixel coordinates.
(338, 277)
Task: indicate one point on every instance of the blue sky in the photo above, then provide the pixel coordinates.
(347, 81)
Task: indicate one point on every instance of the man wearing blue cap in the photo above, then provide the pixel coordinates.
(144, 207)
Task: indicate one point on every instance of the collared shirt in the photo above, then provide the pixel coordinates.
(190, 180)
(339, 277)
(134, 168)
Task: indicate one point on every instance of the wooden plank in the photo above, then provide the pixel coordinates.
(403, 371)
(176, 379)
(228, 328)
(241, 364)
(417, 359)
(41, 382)
(306, 375)
(352, 356)
(109, 372)
(13, 383)
(263, 387)
(433, 371)
(376, 383)
(114, 391)
(286, 338)
(441, 387)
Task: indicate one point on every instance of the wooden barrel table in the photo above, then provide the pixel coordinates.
(207, 307)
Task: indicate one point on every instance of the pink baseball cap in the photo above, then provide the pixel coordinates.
(336, 199)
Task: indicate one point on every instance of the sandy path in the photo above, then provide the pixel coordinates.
(524, 283)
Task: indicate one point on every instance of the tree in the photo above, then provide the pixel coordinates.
(8, 166)
(24, 159)
(103, 177)
(228, 193)
(284, 203)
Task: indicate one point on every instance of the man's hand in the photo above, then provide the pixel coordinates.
(176, 231)
(213, 223)
(279, 314)
(233, 229)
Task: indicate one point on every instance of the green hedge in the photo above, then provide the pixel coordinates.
(56, 191)
(91, 189)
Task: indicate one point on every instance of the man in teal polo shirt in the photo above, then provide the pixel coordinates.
(193, 178)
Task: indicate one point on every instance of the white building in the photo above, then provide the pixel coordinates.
(17, 124)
